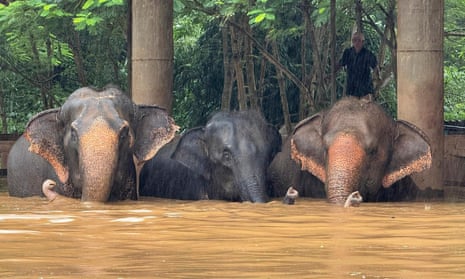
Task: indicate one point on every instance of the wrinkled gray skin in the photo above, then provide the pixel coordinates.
(90, 147)
(356, 146)
(284, 172)
(230, 154)
(166, 177)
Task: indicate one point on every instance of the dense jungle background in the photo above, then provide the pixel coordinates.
(272, 55)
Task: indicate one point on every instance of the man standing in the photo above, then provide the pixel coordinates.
(359, 62)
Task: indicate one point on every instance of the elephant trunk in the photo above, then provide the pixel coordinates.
(253, 189)
(47, 189)
(345, 159)
(98, 161)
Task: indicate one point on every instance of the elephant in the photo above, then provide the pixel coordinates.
(93, 146)
(226, 159)
(283, 172)
(166, 177)
(356, 146)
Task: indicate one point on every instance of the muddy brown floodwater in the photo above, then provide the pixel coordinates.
(156, 238)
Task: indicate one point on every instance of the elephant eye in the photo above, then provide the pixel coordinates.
(74, 135)
(124, 133)
(126, 137)
(373, 150)
(227, 156)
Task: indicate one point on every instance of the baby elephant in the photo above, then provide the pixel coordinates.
(227, 159)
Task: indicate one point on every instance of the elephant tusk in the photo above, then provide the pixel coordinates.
(353, 200)
(291, 195)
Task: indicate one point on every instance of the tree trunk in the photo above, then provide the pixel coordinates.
(250, 73)
(75, 46)
(2, 111)
(43, 74)
(333, 51)
(358, 16)
(270, 58)
(49, 75)
(282, 91)
(36, 60)
(227, 72)
(261, 81)
(303, 94)
(393, 38)
(318, 70)
(236, 44)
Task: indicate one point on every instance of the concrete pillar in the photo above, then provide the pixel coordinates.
(420, 84)
(152, 52)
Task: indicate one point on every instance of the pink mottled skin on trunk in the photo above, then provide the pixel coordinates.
(98, 160)
(345, 159)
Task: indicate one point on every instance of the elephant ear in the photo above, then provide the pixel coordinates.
(191, 151)
(153, 128)
(307, 146)
(44, 132)
(412, 153)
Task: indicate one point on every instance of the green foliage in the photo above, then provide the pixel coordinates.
(454, 101)
(19, 104)
(259, 15)
(282, 20)
(38, 44)
(454, 23)
(86, 20)
(454, 60)
(90, 15)
(16, 23)
(39, 41)
(198, 76)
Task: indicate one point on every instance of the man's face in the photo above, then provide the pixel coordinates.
(357, 42)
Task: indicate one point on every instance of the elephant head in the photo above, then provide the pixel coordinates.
(356, 146)
(232, 152)
(95, 140)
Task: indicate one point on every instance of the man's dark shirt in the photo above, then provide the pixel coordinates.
(359, 67)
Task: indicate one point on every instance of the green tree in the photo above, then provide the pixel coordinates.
(454, 60)
(50, 49)
(278, 58)
(271, 55)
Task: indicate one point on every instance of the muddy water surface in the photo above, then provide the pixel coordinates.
(155, 238)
